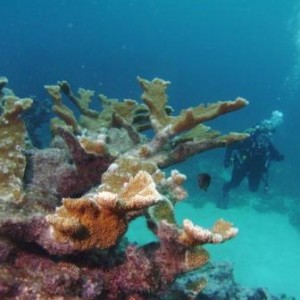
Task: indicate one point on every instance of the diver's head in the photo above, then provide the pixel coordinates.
(264, 130)
(270, 125)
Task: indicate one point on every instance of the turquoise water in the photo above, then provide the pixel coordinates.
(266, 251)
(210, 50)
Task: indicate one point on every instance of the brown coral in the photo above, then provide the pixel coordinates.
(176, 137)
(86, 225)
(98, 221)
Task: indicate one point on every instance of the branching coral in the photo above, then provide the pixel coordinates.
(82, 102)
(104, 172)
(196, 138)
(127, 114)
(176, 137)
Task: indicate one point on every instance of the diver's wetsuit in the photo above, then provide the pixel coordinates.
(250, 158)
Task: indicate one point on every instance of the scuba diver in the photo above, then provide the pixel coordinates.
(251, 157)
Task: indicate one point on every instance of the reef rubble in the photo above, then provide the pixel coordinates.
(64, 209)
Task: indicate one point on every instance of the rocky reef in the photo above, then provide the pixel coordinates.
(64, 210)
(221, 285)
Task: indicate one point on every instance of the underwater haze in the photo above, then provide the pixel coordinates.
(209, 50)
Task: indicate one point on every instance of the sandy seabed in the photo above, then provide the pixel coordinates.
(266, 252)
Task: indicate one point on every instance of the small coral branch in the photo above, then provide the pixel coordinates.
(191, 117)
(82, 102)
(65, 114)
(195, 235)
(183, 149)
(156, 98)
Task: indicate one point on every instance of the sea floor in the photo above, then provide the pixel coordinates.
(266, 252)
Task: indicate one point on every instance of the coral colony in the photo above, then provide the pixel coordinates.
(64, 210)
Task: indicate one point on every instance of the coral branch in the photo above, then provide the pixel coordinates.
(66, 114)
(82, 102)
(196, 235)
(184, 149)
(155, 97)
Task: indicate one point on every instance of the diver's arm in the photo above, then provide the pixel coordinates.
(275, 154)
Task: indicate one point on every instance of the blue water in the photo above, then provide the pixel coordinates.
(209, 49)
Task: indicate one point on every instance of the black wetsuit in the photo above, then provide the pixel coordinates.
(250, 158)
